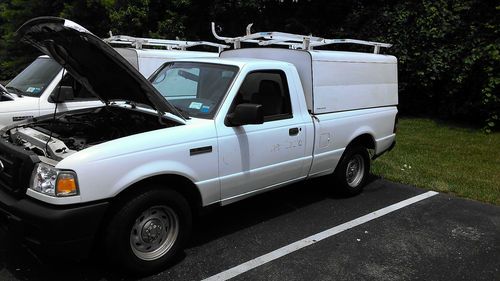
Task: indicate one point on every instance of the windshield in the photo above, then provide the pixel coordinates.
(195, 89)
(33, 80)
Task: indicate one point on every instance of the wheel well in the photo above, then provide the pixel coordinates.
(182, 185)
(365, 140)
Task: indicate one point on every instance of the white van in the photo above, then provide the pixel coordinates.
(34, 92)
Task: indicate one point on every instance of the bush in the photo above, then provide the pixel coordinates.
(448, 50)
(449, 54)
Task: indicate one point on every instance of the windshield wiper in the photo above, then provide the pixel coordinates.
(184, 113)
(18, 92)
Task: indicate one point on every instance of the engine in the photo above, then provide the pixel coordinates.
(73, 131)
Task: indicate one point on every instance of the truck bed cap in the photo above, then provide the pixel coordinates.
(321, 55)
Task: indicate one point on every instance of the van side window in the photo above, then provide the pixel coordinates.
(80, 93)
(269, 88)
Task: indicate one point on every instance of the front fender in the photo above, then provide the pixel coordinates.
(151, 169)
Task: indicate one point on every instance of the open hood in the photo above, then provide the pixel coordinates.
(92, 62)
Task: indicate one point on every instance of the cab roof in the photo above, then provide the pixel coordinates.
(172, 53)
(239, 62)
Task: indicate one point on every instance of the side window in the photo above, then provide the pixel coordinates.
(79, 92)
(269, 88)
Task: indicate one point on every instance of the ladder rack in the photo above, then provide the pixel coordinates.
(139, 43)
(293, 41)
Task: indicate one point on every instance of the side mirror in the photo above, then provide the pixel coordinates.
(244, 114)
(61, 95)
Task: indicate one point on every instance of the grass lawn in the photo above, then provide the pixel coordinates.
(444, 158)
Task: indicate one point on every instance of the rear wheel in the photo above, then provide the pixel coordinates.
(353, 170)
(148, 231)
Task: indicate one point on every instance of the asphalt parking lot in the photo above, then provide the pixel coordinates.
(440, 237)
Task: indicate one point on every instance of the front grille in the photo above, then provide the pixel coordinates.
(18, 165)
(4, 220)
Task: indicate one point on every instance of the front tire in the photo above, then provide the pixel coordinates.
(353, 170)
(148, 231)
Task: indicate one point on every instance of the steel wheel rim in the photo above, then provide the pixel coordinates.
(154, 233)
(355, 170)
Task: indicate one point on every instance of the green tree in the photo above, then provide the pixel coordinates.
(14, 55)
(448, 50)
(155, 18)
(448, 54)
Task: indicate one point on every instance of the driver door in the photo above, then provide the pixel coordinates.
(257, 157)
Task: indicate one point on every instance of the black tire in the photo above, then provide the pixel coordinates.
(346, 182)
(149, 216)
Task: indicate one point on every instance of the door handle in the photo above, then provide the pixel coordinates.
(293, 131)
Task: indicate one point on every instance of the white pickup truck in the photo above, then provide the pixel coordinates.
(33, 91)
(132, 173)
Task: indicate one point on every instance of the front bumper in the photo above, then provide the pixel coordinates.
(66, 231)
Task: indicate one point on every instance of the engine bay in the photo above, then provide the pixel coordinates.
(74, 131)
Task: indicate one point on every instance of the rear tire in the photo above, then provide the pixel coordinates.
(353, 170)
(147, 232)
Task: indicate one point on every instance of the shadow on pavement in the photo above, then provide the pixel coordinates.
(17, 262)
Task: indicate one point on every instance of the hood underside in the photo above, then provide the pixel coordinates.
(92, 62)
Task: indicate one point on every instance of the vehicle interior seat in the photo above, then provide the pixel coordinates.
(270, 97)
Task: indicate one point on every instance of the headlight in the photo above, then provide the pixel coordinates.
(54, 182)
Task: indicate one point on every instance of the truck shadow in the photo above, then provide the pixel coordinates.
(19, 263)
(221, 221)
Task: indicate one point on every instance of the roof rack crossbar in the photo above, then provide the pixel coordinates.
(376, 45)
(138, 43)
(293, 41)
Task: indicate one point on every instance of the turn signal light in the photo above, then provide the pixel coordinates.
(66, 185)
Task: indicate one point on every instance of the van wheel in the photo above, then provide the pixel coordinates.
(148, 231)
(353, 170)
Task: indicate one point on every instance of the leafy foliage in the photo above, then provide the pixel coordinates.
(448, 57)
(448, 50)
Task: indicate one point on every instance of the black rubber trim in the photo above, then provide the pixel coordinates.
(382, 106)
(200, 150)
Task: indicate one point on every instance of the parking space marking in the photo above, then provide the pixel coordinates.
(283, 251)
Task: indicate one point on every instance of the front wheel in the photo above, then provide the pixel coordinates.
(148, 231)
(353, 170)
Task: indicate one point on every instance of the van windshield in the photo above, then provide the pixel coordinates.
(33, 80)
(196, 89)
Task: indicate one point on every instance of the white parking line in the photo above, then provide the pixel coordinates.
(276, 254)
